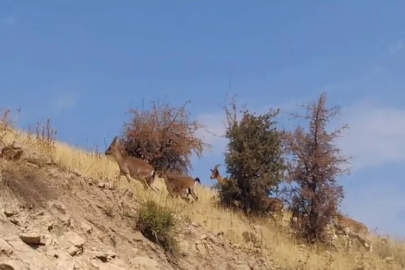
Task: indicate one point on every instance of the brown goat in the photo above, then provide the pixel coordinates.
(221, 181)
(180, 186)
(351, 228)
(132, 168)
(216, 175)
(274, 205)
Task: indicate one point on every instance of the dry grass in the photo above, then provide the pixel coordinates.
(283, 249)
(25, 183)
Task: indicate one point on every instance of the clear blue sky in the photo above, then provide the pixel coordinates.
(85, 63)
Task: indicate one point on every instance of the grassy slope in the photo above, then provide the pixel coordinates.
(284, 249)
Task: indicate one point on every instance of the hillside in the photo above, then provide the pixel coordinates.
(62, 208)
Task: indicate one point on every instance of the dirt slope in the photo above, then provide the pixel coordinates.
(50, 219)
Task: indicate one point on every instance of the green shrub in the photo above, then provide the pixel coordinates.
(254, 159)
(157, 223)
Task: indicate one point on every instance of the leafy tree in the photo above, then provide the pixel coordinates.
(313, 169)
(254, 159)
(164, 136)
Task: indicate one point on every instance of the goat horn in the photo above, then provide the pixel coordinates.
(216, 166)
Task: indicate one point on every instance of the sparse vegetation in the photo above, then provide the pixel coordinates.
(274, 241)
(43, 136)
(158, 224)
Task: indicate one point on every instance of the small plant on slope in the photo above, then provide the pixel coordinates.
(157, 223)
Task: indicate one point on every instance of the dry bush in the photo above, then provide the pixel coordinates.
(165, 136)
(314, 165)
(254, 159)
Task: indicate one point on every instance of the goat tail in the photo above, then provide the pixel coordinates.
(197, 180)
(152, 177)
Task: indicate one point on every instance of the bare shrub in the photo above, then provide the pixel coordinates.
(313, 168)
(164, 136)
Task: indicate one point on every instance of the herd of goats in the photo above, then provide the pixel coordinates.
(182, 186)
